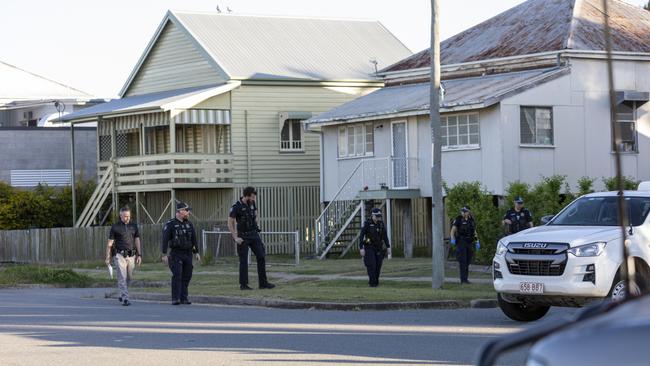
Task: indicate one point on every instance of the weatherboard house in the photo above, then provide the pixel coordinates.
(525, 95)
(216, 102)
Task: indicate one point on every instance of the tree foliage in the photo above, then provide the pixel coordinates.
(42, 207)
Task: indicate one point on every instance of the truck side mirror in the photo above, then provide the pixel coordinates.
(546, 219)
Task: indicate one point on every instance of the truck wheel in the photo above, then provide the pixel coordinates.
(521, 312)
(617, 292)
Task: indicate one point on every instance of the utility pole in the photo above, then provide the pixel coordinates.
(60, 107)
(437, 250)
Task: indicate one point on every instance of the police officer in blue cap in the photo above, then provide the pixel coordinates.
(517, 218)
(464, 241)
(371, 244)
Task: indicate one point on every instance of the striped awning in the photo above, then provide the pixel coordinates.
(201, 116)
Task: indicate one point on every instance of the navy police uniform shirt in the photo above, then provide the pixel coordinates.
(183, 231)
(376, 233)
(466, 228)
(124, 235)
(245, 215)
(520, 220)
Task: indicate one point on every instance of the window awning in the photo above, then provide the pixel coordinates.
(178, 99)
(631, 96)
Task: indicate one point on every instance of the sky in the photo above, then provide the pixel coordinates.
(93, 45)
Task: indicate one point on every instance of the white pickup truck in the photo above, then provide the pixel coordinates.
(574, 257)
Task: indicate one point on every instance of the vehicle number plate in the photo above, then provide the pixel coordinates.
(531, 288)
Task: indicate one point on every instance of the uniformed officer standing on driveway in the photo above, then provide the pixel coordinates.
(371, 244)
(180, 237)
(125, 250)
(463, 237)
(244, 228)
(518, 218)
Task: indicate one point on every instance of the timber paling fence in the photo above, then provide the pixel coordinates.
(71, 245)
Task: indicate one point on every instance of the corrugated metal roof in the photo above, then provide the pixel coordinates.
(541, 26)
(264, 47)
(17, 84)
(475, 92)
(144, 102)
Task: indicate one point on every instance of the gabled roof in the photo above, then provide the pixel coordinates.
(283, 48)
(149, 103)
(459, 94)
(17, 85)
(537, 26)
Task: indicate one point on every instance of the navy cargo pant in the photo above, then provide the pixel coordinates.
(464, 254)
(254, 242)
(373, 261)
(180, 263)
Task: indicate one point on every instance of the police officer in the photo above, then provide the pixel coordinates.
(517, 218)
(244, 228)
(179, 236)
(371, 244)
(463, 237)
(125, 250)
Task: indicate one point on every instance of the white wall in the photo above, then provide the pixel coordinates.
(581, 121)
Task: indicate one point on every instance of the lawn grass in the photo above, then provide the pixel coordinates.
(14, 275)
(342, 291)
(221, 279)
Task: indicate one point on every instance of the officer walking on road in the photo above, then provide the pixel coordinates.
(517, 218)
(179, 236)
(124, 249)
(371, 244)
(463, 240)
(243, 223)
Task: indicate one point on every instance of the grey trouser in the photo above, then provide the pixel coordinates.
(124, 266)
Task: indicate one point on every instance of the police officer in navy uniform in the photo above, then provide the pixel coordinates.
(179, 236)
(371, 244)
(244, 228)
(463, 240)
(517, 218)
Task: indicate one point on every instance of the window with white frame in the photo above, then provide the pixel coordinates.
(536, 126)
(356, 140)
(625, 118)
(459, 131)
(291, 135)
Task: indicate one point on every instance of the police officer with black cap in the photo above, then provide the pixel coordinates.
(463, 240)
(517, 218)
(179, 235)
(244, 228)
(371, 244)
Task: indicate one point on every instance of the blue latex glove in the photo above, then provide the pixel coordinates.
(453, 242)
(478, 245)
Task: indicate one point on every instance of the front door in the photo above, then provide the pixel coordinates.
(399, 160)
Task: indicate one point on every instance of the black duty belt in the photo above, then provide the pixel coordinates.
(248, 233)
(127, 252)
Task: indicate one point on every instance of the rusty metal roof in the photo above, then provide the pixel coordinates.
(543, 26)
(465, 93)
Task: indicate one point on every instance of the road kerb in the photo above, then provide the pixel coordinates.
(292, 304)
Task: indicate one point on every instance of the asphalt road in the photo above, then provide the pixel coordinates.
(80, 327)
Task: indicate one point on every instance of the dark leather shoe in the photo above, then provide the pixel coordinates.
(267, 286)
(176, 302)
(244, 287)
(120, 299)
(126, 303)
(186, 302)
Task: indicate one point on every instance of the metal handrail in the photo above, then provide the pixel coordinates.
(340, 190)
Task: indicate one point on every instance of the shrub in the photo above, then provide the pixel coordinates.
(629, 184)
(585, 186)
